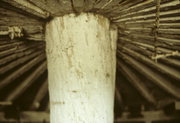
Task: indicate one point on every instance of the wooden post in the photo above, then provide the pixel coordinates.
(81, 68)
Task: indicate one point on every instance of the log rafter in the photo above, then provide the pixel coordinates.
(26, 6)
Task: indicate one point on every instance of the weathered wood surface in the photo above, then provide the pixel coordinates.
(81, 64)
(55, 7)
(23, 6)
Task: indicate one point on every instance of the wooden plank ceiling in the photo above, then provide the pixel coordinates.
(148, 59)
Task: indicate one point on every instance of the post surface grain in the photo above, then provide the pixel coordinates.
(81, 66)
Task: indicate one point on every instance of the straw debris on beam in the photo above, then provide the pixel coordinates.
(163, 68)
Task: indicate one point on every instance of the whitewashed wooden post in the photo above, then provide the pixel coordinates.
(81, 67)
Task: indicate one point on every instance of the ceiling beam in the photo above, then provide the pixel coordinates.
(28, 7)
(40, 95)
(136, 82)
(155, 78)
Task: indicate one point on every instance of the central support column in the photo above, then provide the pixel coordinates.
(81, 68)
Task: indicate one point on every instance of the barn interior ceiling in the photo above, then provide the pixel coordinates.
(148, 51)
